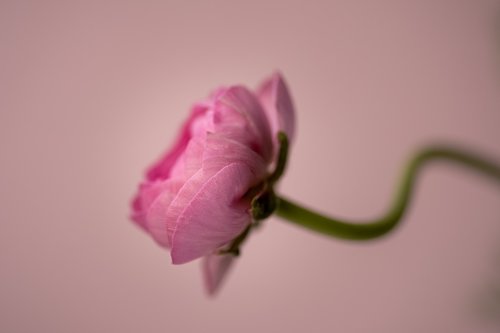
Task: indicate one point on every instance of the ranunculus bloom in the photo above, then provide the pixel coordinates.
(194, 200)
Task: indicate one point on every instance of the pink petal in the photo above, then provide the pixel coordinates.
(147, 194)
(277, 102)
(138, 214)
(211, 215)
(190, 160)
(155, 216)
(162, 168)
(221, 151)
(239, 115)
(214, 268)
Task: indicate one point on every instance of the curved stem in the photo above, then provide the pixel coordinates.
(379, 227)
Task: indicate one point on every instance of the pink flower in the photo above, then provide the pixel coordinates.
(195, 199)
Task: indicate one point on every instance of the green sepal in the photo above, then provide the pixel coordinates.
(282, 159)
(264, 204)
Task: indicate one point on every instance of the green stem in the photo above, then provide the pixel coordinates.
(379, 227)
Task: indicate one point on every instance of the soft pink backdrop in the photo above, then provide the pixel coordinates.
(92, 91)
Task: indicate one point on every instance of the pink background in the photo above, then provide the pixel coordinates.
(92, 91)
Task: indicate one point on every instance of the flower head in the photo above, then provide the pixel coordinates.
(196, 199)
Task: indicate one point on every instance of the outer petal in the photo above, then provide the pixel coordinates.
(213, 216)
(274, 96)
(239, 116)
(214, 269)
(221, 151)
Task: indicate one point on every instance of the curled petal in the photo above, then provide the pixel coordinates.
(274, 96)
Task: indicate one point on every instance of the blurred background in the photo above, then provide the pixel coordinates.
(91, 92)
